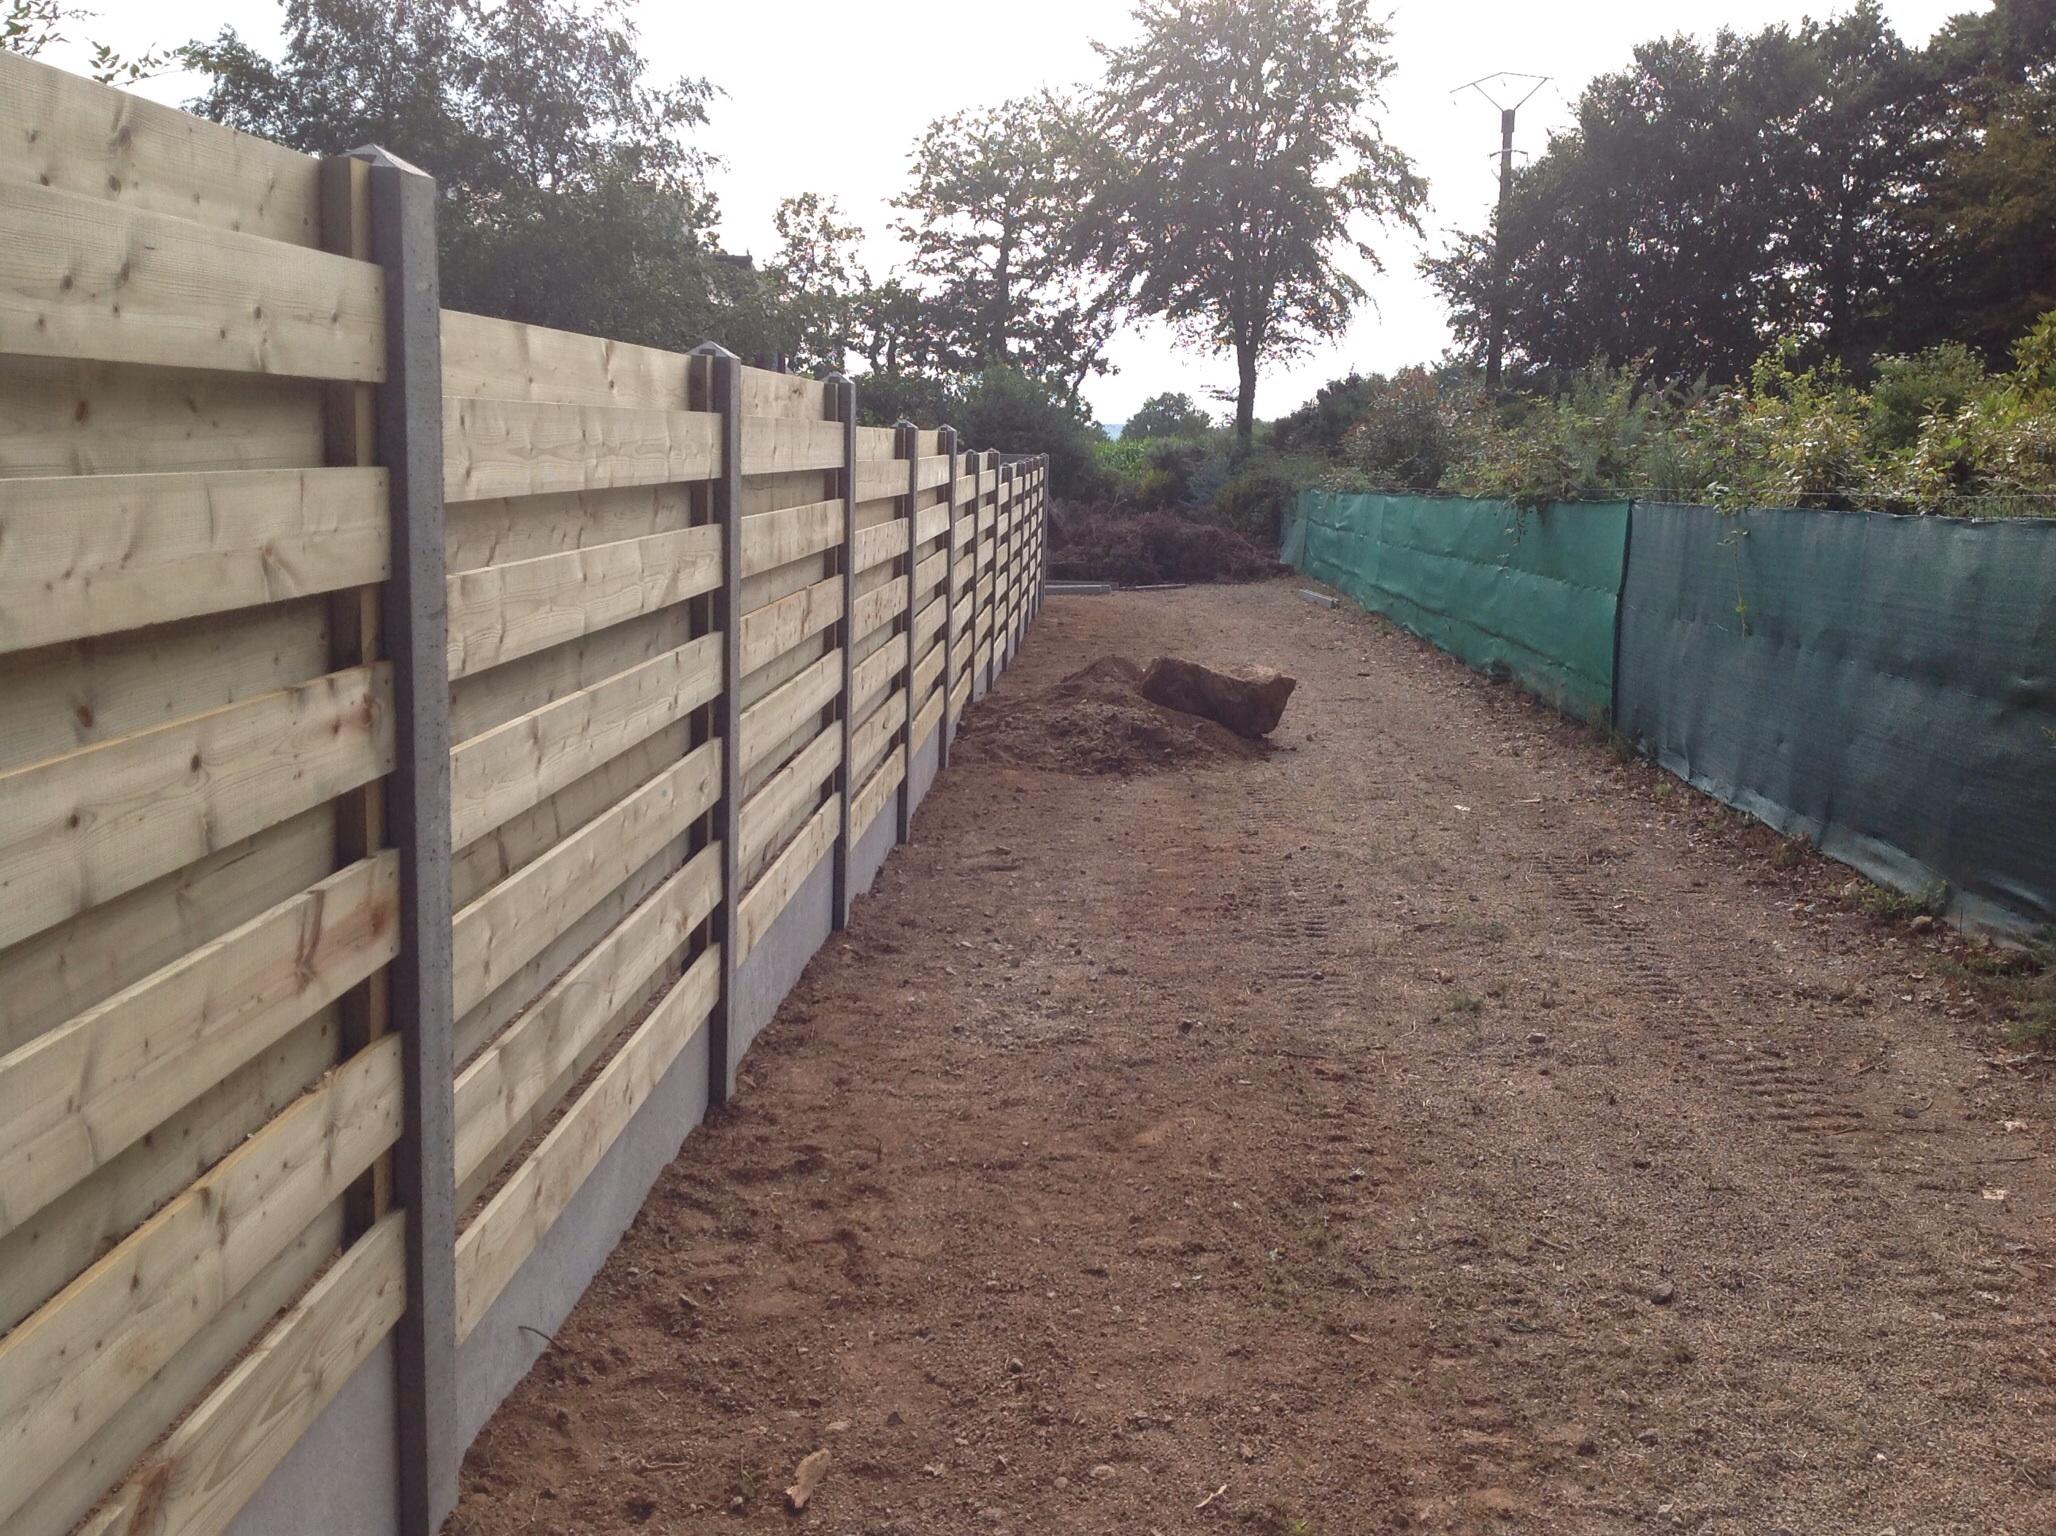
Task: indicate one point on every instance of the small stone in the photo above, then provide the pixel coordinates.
(1664, 1294)
(1015, 1367)
(1063, 1482)
(1536, 1037)
(1588, 1447)
(1647, 1437)
(1102, 1472)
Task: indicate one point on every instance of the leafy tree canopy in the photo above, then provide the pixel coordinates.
(1238, 157)
(1823, 181)
(572, 194)
(989, 214)
(1167, 415)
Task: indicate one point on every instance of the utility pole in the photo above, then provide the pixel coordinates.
(1495, 345)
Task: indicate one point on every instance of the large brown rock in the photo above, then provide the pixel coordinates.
(1247, 700)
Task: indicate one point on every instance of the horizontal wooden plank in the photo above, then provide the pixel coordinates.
(80, 1485)
(875, 671)
(494, 936)
(777, 445)
(501, 612)
(926, 671)
(762, 903)
(793, 787)
(203, 1474)
(870, 737)
(877, 479)
(66, 1369)
(502, 772)
(491, 1250)
(766, 393)
(73, 1099)
(507, 360)
(81, 277)
(506, 1083)
(960, 695)
(880, 543)
(524, 448)
(772, 539)
(779, 713)
(96, 554)
(879, 607)
(69, 968)
(928, 622)
(933, 471)
(927, 716)
(931, 522)
(92, 824)
(775, 628)
(928, 575)
(77, 135)
(503, 529)
(877, 792)
(66, 417)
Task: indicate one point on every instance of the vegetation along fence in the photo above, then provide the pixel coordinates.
(1883, 685)
(429, 748)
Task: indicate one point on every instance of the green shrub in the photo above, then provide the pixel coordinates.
(1257, 495)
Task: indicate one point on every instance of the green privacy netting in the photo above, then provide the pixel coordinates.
(1532, 593)
(1885, 685)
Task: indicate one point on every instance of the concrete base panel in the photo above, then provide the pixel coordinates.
(775, 964)
(541, 1295)
(342, 1477)
(869, 856)
(926, 765)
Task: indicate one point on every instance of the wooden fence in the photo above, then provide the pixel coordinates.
(411, 724)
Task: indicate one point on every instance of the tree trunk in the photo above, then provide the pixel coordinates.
(1245, 397)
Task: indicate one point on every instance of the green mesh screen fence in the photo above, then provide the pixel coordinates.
(1529, 593)
(1884, 685)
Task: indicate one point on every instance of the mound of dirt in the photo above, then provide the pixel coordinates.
(1095, 722)
(1105, 542)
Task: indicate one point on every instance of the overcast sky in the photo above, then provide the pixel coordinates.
(828, 96)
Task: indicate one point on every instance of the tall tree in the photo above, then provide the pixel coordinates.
(571, 192)
(1823, 181)
(1242, 156)
(990, 213)
(1989, 209)
(817, 282)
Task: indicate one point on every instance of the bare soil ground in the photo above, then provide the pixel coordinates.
(1431, 1125)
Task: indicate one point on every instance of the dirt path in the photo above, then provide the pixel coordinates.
(1433, 1126)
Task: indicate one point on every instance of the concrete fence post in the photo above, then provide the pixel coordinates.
(1009, 572)
(977, 471)
(413, 621)
(722, 383)
(910, 449)
(949, 597)
(843, 401)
